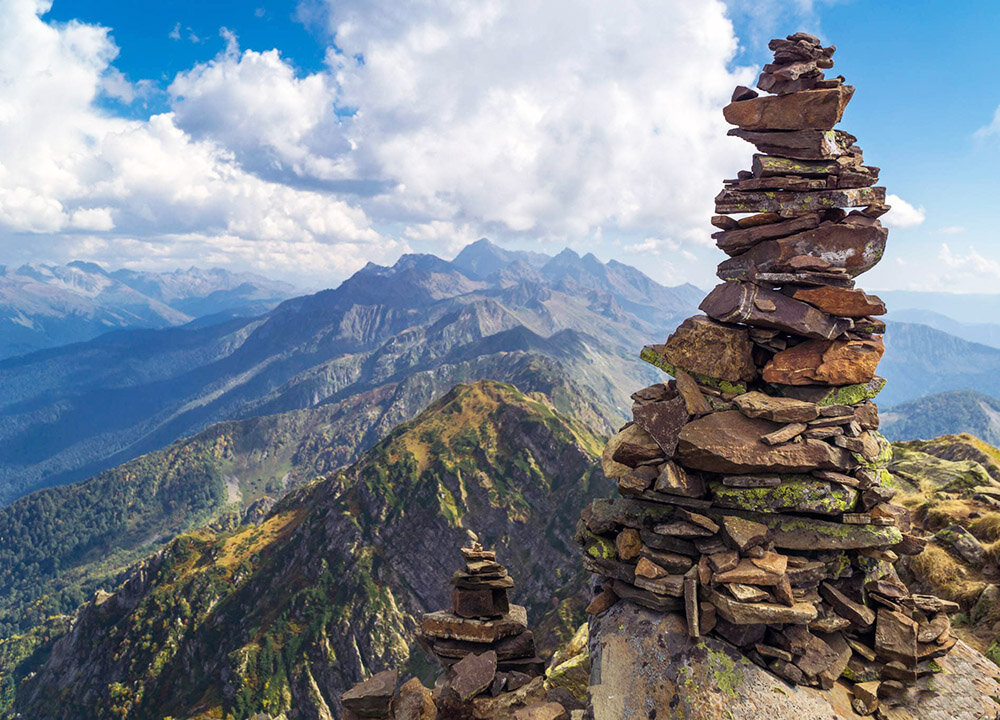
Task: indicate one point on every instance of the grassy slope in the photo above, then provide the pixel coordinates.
(290, 613)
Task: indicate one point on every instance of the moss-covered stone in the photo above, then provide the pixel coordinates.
(798, 493)
(841, 395)
(805, 533)
(654, 358)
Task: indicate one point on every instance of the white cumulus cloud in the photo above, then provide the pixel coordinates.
(902, 214)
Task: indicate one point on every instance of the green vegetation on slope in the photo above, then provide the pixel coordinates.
(59, 545)
(284, 616)
(956, 411)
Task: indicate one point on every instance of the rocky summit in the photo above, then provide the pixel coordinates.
(755, 500)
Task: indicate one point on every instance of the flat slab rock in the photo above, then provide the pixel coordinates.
(642, 661)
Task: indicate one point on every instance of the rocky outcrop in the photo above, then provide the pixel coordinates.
(761, 514)
(644, 662)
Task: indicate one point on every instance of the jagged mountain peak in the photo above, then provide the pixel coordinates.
(484, 258)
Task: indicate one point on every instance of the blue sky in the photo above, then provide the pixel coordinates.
(302, 139)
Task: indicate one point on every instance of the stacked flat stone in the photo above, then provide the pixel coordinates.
(754, 491)
(482, 640)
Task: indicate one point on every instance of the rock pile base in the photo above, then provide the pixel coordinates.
(755, 497)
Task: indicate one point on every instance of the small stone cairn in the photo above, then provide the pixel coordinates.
(754, 491)
(482, 640)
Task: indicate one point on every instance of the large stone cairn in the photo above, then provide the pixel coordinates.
(755, 495)
(483, 640)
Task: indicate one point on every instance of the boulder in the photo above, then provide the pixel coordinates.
(757, 306)
(704, 347)
(822, 362)
(841, 301)
(641, 660)
(542, 711)
(806, 110)
(852, 246)
(796, 203)
(729, 442)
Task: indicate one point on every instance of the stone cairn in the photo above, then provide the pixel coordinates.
(482, 640)
(754, 491)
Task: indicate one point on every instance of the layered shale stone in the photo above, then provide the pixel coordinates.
(740, 613)
(796, 203)
(808, 110)
(801, 144)
(777, 409)
(445, 625)
(852, 246)
(760, 307)
(739, 240)
(791, 532)
(729, 442)
(821, 362)
(840, 301)
(795, 494)
(705, 347)
(825, 396)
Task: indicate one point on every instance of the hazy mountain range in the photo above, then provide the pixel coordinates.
(43, 306)
(413, 329)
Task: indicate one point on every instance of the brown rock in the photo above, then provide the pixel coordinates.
(756, 404)
(739, 240)
(741, 533)
(628, 544)
(866, 697)
(859, 615)
(747, 593)
(784, 434)
(602, 601)
(373, 697)
(693, 398)
(472, 674)
(866, 415)
(675, 480)
(663, 421)
(746, 573)
(841, 301)
(673, 563)
(821, 362)
(691, 603)
(896, 637)
(648, 569)
(796, 203)
(702, 346)
(854, 246)
(451, 627)
(729, 442)
(479, 603)
(807, 110)
(415, 702)
(638, 480)
(801, 144)
(633, 446)
(761, 613)
(817, 658)
(721, 562)
(772, 562)
(735, 302)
